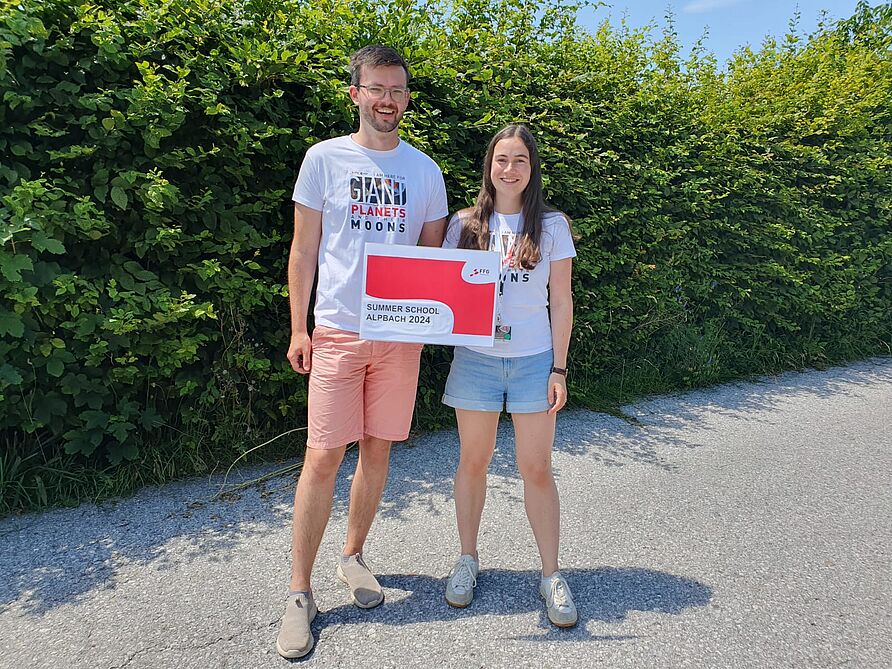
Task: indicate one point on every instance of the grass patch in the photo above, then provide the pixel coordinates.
(34, 482)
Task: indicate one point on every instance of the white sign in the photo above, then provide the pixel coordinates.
(429, 295)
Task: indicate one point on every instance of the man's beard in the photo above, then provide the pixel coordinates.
(381, 125)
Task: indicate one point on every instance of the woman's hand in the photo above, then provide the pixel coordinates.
(557, 392)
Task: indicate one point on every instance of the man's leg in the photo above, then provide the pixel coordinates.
(312, 509)
(365, 493)
(334, 420)
(388, 398)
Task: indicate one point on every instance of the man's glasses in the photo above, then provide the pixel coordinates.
(378, 92)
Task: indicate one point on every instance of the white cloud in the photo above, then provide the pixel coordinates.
(703, 6)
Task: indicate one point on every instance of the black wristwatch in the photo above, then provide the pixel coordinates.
(559, 370)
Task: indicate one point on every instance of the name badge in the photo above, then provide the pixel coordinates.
(503, 333)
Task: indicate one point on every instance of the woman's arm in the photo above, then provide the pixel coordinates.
(560, 299)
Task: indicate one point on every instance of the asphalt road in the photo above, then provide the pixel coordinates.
(748, 525)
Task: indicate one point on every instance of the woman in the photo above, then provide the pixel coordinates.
(525, 369)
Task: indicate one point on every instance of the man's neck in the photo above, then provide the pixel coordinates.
(377, 141)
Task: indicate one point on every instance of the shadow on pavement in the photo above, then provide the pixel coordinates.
(604, 594)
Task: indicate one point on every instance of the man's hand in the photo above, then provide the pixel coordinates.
(557, 392)
(300, 353)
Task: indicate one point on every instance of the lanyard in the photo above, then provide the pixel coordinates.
(505, 267)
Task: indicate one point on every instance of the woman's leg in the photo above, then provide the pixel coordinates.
(533, 439)
(477, 433)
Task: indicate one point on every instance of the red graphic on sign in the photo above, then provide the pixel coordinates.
(389, 278)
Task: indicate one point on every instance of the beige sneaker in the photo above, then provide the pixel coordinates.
(462, 581)
(558, 600)
(364, 587)
(295, 638)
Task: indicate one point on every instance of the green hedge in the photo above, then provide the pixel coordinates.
(730, 222)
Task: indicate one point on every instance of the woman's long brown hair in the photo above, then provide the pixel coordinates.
(475, 227)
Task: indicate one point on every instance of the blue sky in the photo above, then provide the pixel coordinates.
(730, 23)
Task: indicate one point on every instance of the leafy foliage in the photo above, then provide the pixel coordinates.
(729, 222)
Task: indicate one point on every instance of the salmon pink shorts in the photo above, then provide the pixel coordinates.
(359, 387)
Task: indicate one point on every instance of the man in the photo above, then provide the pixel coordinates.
(366, 187)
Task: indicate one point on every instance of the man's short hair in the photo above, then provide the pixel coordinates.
(375, 55)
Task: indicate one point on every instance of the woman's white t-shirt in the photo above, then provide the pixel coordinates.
(523, 304)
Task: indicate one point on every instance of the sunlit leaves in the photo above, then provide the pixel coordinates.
(727, 220)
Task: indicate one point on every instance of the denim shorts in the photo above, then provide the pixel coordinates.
(479, 382)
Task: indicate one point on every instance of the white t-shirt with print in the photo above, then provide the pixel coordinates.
(524, 301)
(364, 196)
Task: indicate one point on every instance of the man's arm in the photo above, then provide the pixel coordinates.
(432, 233)
(302, 262)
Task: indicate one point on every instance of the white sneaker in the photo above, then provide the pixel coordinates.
(462, 581)
(558, 600)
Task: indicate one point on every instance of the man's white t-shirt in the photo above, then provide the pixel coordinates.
(364, 196)
(524, 300)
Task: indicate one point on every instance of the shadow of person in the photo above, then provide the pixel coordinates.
(604, 594)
